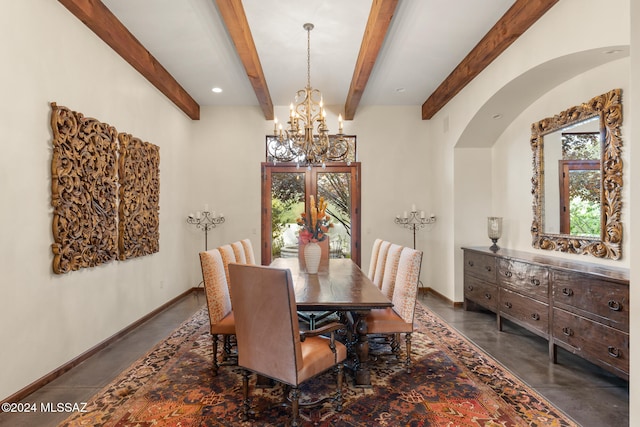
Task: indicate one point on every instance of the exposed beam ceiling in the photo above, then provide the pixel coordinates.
(236, 22)
(512, 25)
(101, 21)
(377, 25)
(400, 47)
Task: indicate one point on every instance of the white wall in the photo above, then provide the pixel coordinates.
(529, 68)
(48, 319)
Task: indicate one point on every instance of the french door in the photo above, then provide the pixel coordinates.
(285, 193)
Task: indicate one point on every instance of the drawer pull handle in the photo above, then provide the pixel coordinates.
(487, 267)
(567, 331)
(508, 273)
(507, 304)
(535, 282)
(470, 263)
(487, 295)
(469, 287)
(567, 292)
(615, 305)
(613, 351)
(535, 316)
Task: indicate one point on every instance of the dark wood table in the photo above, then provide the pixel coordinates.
(340, 286)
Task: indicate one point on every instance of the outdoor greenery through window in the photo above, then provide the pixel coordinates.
(581, 176)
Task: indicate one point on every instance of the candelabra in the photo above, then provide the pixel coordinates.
(413, 222)
(205, 221)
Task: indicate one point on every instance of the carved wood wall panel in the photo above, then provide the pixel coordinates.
(139, 197)
(84, 185)
(105, 192)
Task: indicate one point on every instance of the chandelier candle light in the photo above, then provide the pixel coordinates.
(307, 138)
(413, 222)
(206, 221)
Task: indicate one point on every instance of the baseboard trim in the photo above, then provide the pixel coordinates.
(441, 297)
(39, 383)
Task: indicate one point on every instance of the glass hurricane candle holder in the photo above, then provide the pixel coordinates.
(494, 230)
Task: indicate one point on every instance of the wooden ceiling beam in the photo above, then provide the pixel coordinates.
(512, 25)
(377, 25)
(101, 21)
(237, 25)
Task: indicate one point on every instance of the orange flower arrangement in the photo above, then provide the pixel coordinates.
(315, 225)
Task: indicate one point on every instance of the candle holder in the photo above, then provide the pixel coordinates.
(494, 231)
(413, 222)
(205, 221)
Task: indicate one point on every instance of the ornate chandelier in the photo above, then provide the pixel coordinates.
(307, 140)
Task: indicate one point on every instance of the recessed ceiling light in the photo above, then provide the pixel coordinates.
(216, 90)
(497, 116)
(400, 89)
(609, 52)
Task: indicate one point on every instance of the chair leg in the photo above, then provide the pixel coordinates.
(215, 355)
(339, 379)
(245, 395)
(407, 338)
(295, 406)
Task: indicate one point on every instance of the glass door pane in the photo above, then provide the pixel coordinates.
(336, 190)
(288, 197)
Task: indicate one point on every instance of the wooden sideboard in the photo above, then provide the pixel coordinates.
(579, 306)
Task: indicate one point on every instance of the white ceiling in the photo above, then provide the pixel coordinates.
(425, 42)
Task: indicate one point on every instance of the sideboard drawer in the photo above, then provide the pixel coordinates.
(603, 345)
(479, 265)
(599, 300)
(482, 293)
(524, 310)
(525, 278)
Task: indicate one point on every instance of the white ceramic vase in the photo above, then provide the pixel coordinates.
(312, 253)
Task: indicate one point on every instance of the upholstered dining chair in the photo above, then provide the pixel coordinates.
(380, 263)
(399, 318)
(248, 251)
(374, 258)
(391, 270)
(238, 252)
(271, 344)
(221, 317)
(228, 256)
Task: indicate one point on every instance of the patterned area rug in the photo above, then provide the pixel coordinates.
(453, 383)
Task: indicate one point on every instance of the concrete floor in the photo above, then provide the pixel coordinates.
(583, 391)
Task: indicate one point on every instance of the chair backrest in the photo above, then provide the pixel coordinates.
(267, 330)
(248, 251)
(391, 270)
(238, 252)
(215, 285)
(407, 279)
(228, 256)
(374, 258)
(380, 263)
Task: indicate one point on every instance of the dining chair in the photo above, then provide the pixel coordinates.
(248, 251)
(391, 270)
(238, 252)
(221, 317)
(228, 256)
(380, 263)
(374, 258)
(399, 318)
(272, 344)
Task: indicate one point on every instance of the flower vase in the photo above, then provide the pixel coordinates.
(312, 254)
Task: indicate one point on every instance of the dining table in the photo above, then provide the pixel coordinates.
(339, 286)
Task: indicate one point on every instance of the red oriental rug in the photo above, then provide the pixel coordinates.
(453, 383)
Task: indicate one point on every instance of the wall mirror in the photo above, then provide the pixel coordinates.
(577, 179)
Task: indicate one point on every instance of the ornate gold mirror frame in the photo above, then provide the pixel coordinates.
(609, 108)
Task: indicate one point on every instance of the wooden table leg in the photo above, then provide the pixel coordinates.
(362, 373)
